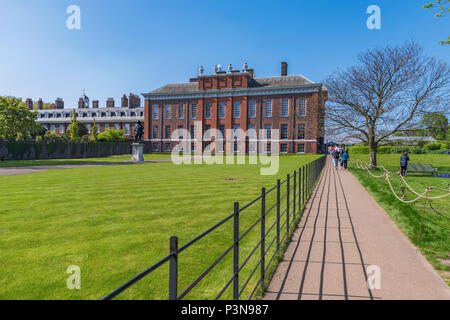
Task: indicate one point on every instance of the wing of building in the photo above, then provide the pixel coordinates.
(183, 115)
(57, 119)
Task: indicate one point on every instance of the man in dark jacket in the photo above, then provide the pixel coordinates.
(404, 163)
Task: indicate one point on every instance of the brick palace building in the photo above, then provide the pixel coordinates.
(235, 100)
(57, 119)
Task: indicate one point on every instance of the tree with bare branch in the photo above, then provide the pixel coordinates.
(390, 90)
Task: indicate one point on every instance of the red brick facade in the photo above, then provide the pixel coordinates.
(234, 87)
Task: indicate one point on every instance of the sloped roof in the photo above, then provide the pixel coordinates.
(271, 82)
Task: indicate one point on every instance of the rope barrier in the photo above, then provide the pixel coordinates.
(387, 175)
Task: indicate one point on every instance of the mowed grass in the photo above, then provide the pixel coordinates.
(115, 221)
(53, 162)
(435, 235)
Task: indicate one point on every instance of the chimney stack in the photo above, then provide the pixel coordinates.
(59, 103)
(29, 104)
(135, 101)
(284, 69)
(110, 103)
(81, 103)
(95, 104)
(124, 101)
(40, 104)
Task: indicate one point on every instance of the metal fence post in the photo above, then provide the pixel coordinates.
(287, 203)
(303, 186)
(278, 213)
(236, 252)
(294, 197)
(263, 237)
(306, 183)
(173, 269)
(309, 179)
(299, 189)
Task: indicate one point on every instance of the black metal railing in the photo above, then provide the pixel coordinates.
(297, 195)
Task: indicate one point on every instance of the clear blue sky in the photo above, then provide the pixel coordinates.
(137, 46)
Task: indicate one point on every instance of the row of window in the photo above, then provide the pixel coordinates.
(62, 129)
(284, 133)
(221, 147)
(236, 110)
(91, 115)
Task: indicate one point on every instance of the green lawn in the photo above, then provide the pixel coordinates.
(52, 162)
(435, 238)
(115, 221)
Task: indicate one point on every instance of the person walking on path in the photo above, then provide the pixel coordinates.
(336, 159)
(344, 159)
(404, 164)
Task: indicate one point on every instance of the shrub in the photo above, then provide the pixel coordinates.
(400, 149)
(359, 150)
(432, 146)
(442, 151)
(444, 144)
(416, 150)
(111, 135)
(384, 149)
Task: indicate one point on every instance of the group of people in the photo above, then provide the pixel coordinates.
(339, 155)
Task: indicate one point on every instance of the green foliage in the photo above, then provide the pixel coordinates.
(416, 150)
(85, 138)
(432, 146)
(111, 135)
(384, 149)
(94, 132)
(441, 7)
(73, 128)
(442, 10)
(441, 151)
(359, 150)
(50, 136)
(436, 125)
(16, 121)
(400, 149)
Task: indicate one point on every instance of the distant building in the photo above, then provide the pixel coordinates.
(58, 118)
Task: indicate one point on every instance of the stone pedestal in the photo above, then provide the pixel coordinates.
(137, 152)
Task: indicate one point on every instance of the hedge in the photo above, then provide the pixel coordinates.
(61, 150)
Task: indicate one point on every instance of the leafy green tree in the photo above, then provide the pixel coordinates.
(16, 121)
(73, 128)
(436, 125)
(443, 9)
(94, 131)
(76, 129)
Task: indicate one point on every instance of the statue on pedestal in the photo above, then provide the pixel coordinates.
(138, 132)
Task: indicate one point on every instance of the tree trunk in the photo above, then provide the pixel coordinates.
(373, 152)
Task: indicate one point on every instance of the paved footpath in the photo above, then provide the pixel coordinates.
(342, 235)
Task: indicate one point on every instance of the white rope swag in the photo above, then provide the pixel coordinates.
(387, 175)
